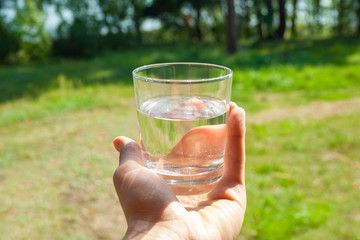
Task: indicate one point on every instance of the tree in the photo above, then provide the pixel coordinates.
(179, 16)
(9, 44)
(168, 12)
(346, 16)
(259, 24)
(282, 19)
(269, 19)
(114, 11)
(293, 18)
(231, 28)
(138, 8)
(80, 37)
(198, 5)
(194, 20)
(358, 18)
(316, 15)
(198, 8)
(137, 19)
(218, 23)
(341, 16)
(245, 18)
(29, 29)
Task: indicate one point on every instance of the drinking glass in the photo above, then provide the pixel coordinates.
(182, 112)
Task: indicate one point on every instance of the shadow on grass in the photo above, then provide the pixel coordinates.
(113, 68)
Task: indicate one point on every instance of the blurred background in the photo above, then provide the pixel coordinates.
(66, 92)
(40, 29)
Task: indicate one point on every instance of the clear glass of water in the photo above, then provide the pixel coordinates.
(182, 112)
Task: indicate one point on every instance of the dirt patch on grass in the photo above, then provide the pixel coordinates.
(315, 110)
(103, 220)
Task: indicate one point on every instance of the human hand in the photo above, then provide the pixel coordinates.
(152, 209)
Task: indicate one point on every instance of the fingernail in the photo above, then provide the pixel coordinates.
(234, 104)
(120, 142)
(116, 143)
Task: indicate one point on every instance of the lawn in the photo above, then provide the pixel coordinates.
(302, 99)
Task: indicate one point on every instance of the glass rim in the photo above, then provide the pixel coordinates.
(164, 80)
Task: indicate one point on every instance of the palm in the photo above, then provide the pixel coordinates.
(150, 204)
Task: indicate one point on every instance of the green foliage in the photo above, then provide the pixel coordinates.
(74, 45)
(29, 31)
(102, 25)
(8, 42)
(88, 35)
(345, 15)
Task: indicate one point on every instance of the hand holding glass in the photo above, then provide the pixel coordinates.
(182, 112)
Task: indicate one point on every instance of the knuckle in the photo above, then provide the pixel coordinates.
(132, 146)
(124, 169)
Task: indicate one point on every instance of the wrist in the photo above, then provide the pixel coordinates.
(160, 230)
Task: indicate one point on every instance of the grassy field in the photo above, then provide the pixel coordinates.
(302, 99)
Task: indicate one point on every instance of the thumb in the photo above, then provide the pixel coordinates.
(128, 148)
(234, 160)
(129, 160)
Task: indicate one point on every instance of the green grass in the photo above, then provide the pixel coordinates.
(57, 122)
(303, 179)
(311, 66)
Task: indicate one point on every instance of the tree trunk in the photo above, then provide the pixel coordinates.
(218, 34)
(137, 23)
(269, 19)
(197, 23)
(316, 12)
(282, 19)
(245, 18)
(259, 19)
(358, 19)
(340, 20)
(293, 18)
(231, 27)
